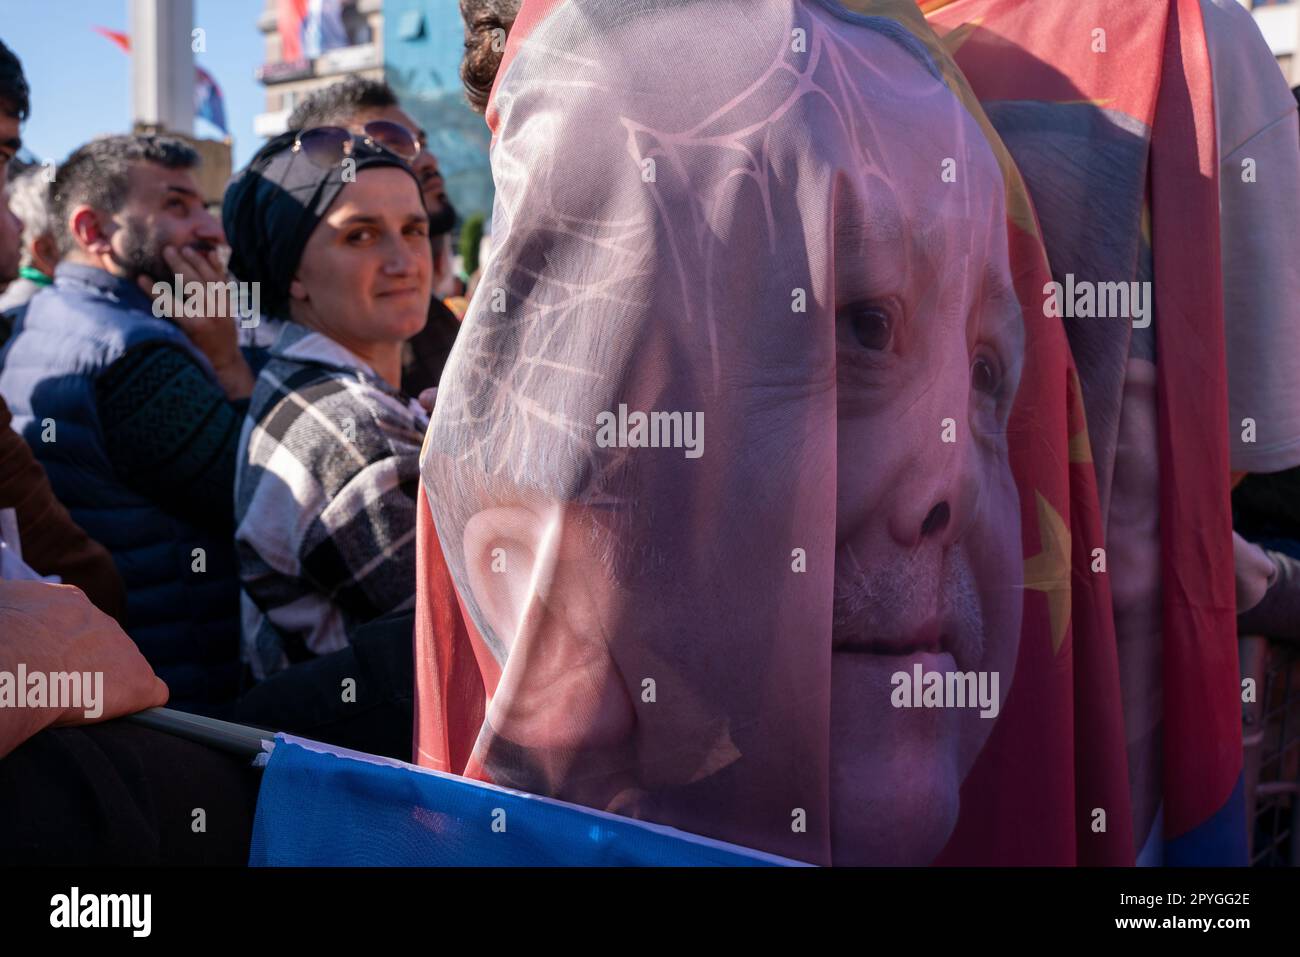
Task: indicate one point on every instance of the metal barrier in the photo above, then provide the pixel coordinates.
(1271, 740)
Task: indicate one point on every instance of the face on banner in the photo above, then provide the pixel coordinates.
(720, 464)
(930, 344)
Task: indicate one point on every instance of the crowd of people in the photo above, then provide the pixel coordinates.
(241, 514)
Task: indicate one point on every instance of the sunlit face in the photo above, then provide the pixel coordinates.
(11, 241)
(432, 186)
(365, 274)
(10, 139)
(163, 208)
(11, 226)
(928, 560)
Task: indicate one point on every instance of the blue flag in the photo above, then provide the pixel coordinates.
(208, 102)
(322, 806)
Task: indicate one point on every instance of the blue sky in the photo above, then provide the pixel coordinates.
(81, 83)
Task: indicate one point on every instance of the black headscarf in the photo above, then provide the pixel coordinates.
(273, 205)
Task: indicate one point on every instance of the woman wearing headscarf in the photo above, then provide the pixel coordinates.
(755, 501)
(333, 229)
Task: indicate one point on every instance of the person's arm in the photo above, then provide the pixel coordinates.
(171, 433)
(54, 628)
(52, 543)
(1268, 591)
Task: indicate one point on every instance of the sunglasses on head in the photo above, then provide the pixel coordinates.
(328, 146)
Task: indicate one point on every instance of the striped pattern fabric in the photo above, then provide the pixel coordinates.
(324, 501)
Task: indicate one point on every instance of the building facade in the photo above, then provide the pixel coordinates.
(416, 45)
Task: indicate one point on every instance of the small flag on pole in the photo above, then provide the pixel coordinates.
(121, 39)
(208, 101)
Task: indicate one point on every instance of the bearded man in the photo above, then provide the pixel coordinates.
(136, 416)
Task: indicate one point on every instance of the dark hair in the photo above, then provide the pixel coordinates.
(98, 174)
(332, 104)
(13, 85)
(487, 23)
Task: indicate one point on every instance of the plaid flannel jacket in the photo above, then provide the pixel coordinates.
(325, 501)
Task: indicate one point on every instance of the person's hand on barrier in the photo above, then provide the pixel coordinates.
(1255, 572)
(76, 664)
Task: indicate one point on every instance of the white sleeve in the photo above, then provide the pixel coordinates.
(1259, 228)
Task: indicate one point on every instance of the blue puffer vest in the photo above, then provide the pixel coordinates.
(186, 622)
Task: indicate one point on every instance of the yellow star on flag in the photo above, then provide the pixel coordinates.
(1080, 450)
(1049, 570)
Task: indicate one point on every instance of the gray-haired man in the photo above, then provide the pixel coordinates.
(29, 200)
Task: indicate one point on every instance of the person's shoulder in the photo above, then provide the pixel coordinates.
(72, 314)
(1249, 88)
(64, 299)
(1239, 54)
(291, 382)
(1228, 19)
(321, 412)
(398, 425)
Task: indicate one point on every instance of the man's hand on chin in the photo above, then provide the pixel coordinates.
(215, 335)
